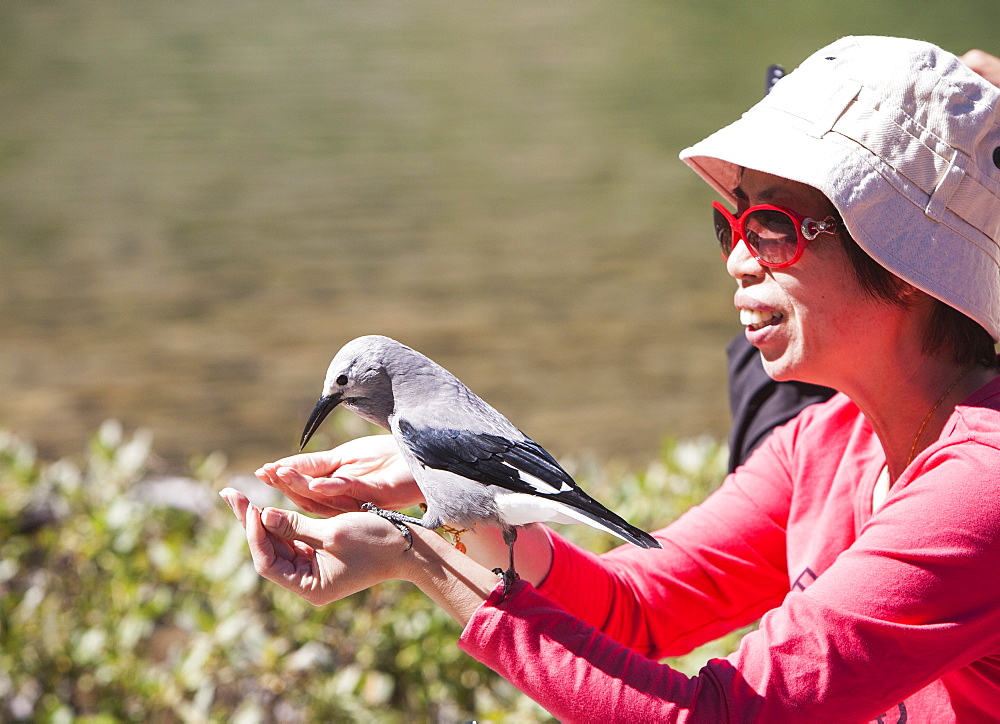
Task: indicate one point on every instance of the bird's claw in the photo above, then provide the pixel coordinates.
(401, 521)
(509, 578)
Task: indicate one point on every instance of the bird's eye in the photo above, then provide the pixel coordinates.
(342, 380)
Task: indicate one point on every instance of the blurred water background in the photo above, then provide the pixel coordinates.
(201, 201)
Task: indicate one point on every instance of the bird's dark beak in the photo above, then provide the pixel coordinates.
(323, 408)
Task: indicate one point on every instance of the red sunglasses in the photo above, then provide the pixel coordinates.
(776, 236)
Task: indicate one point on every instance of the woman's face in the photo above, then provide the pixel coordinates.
(811, 321)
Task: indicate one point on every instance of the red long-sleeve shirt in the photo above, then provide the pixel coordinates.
(886, 616)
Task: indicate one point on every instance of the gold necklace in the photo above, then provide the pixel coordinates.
(913, 448)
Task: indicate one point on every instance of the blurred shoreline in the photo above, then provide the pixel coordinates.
(200, 203)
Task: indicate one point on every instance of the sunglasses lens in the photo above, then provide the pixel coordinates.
(723, 232)
(772, 236)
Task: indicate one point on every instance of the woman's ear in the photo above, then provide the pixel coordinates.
(911, 295)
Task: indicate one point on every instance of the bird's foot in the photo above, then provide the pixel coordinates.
(509, 578)
(401, 521)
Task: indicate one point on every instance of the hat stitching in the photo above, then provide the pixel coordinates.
(945, 190)
(936, 176)
(839, 104)
(909, 191)
(954, 222)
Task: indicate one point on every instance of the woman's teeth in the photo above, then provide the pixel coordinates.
(755, 319)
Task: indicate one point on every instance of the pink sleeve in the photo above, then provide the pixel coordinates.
(574, 671)
(910, 602)
(721, 567)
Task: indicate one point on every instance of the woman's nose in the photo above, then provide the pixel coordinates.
(741, 264)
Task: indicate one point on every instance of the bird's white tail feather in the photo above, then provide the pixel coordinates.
(521, 509)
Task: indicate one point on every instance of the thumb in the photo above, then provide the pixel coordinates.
(289, 525)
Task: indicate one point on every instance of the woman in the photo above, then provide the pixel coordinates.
(865, 534)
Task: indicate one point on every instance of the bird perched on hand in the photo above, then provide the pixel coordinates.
(471, 464)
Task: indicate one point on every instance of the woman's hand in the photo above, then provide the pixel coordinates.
(365, 470)
(321, 560)
(324, 560)
(983, 63)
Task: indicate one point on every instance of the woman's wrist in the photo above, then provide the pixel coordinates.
(532, 550)
(449, 577)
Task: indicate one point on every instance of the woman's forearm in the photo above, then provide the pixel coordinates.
(460, 582)
(449, 577)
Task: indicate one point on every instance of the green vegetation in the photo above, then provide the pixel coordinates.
(115, 608)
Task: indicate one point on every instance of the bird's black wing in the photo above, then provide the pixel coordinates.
(521, 466)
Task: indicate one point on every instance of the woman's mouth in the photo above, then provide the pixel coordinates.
(757, 319)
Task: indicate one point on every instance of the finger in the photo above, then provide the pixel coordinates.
(262, 475)
(295, 487)
(337, 504)
(280, 547)
(302, 549)
(344, 493)
(292, 479)
(289, 525)
(312, 463)
(311, 505)
(367, 452)
(341, 485)
(324, 501)
(267, 473)
(237, 502)
(986, 65)
(974, 58)
(261, 548)
(287, 480)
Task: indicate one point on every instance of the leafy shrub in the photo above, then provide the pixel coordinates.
(116, 607)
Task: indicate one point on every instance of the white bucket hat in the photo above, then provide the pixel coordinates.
(905, 142)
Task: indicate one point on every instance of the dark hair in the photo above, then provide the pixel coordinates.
(948, 330)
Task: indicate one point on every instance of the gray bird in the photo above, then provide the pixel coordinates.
(471, 464)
